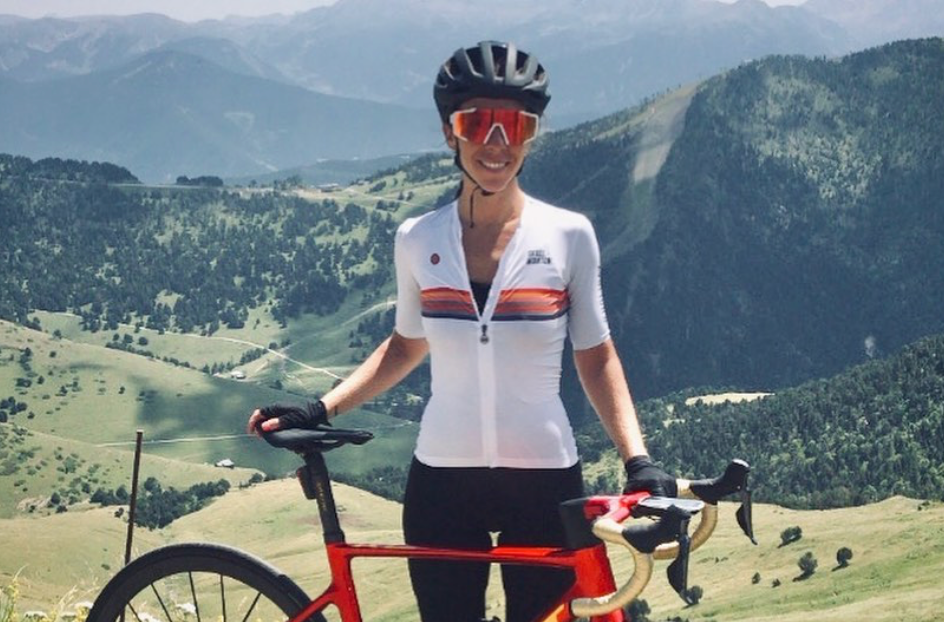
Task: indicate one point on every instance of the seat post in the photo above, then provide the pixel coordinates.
(317, 485)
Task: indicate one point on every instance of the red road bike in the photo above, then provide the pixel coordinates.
(201, 581)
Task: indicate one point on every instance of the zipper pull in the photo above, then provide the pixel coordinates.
(483, 338)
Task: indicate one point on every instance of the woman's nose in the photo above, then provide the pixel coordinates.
(496, 136)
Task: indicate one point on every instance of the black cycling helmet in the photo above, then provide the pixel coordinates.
(491, 69)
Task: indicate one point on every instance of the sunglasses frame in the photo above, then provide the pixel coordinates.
(500, 126)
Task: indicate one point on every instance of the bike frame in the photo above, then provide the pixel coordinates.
(594, 576)
(591, 566)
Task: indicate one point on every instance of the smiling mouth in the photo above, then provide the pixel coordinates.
(493, 166)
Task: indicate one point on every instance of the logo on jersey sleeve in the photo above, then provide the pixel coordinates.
(538, 256)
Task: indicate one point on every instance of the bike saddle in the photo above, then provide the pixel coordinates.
(321, 439)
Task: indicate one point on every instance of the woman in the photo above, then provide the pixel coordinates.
(489, 286)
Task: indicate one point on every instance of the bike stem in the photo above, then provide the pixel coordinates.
(317, 485)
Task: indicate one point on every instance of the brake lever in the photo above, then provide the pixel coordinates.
(678, 570)
(672, 526)
(745, 515)
(734, 480)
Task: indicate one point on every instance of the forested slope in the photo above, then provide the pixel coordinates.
(873, 431)
(795, 224)
(771, 226)
(186, 259)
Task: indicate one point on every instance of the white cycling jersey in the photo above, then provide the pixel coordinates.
(496, 374)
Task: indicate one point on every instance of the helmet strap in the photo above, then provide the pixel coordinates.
(478, 188)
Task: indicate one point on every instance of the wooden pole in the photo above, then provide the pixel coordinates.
(134, 495)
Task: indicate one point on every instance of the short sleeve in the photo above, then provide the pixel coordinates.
(409, 321)
(587, 325)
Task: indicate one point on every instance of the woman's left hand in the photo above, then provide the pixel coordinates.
(642, 474)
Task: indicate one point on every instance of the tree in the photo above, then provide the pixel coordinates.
(638, 610)
(755, 579)
(843, 555)
(790, 535)
(807, 564)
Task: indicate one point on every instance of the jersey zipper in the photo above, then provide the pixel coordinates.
(486, 358)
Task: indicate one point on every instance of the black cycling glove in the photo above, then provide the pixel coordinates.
(642, 474)
(310, 416)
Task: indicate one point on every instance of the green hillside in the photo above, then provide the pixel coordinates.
(776, 228)
(102, 396)
(770, 225)
(871, 432)
(35, 466)
(750, 227)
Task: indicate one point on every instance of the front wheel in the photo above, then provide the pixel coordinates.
(199, 582)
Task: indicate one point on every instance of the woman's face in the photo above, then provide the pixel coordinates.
(494, 165)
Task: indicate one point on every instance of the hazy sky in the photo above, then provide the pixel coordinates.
(186, 10)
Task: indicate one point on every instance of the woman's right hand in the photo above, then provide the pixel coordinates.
(280, 416)
(256, 423)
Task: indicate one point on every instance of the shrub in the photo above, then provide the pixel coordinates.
(807, 564)
(843, 556)
(638, 610)
(790, 535)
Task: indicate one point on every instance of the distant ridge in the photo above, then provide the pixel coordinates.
(170, 112)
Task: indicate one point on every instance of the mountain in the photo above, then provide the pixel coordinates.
(873, 22)
(603, 55)
(227, 55)
(49, 48)
(774, 224)
(375, 50)
(169, 112)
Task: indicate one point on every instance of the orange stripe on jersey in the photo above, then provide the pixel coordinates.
(531, 304)
(447, 303)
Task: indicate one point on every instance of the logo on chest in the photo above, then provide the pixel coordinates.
(538, 256)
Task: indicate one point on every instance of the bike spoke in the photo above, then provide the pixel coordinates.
(223, 597)
(136, 616)
(161, 601)
(193, 594)
(179, 583)
(252, 606)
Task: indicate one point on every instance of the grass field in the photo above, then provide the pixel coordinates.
(898, 548)
(34, 465)
(101, 397)
(84, 403)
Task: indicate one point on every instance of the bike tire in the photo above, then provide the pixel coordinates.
(148, 589)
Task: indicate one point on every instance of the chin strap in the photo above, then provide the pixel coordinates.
(478, 188)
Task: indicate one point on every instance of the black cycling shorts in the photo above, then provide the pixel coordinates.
(463, 507)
